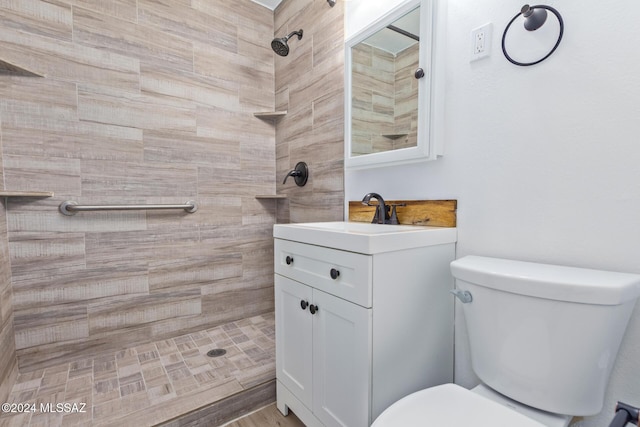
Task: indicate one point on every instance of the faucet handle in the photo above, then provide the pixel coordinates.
(394, 214)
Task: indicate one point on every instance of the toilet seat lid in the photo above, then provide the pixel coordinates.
(452, 406)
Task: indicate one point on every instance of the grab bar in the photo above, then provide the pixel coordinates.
(71, 208)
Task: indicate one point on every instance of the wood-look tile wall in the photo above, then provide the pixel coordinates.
(384, 99)
(144, 101)
(406, 97)
(8, 365)
(310, 86)
(373, 99)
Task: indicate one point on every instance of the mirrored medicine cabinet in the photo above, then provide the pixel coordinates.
(393, 88)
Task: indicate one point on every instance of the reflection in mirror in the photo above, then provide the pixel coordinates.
(384, 90)
(394, 100)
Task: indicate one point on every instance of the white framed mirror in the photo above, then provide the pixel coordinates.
(393, 115)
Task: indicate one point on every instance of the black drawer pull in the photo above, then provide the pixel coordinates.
(288, 260)
(334, 273)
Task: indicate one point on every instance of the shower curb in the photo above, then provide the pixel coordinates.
(229, 408)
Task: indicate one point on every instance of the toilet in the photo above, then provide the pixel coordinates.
(542, 339)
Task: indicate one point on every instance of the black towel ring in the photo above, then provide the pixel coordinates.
(526, 64)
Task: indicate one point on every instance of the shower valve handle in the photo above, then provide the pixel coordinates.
(293, 173)
(300, 174)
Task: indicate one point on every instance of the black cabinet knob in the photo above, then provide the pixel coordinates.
(419, 73)
(334, 273)
(304, 304)
(289, 260)
(313, 308)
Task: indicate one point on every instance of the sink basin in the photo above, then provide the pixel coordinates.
(363, 237)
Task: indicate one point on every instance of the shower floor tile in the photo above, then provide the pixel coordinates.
(149, 383)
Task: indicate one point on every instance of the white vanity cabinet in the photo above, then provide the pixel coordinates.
(320, 353)
(356, 331)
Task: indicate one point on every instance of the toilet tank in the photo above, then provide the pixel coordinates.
(545, 335)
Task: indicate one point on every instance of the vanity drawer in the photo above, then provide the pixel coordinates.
(313, 265)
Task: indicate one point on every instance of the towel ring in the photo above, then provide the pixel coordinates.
(504, 35)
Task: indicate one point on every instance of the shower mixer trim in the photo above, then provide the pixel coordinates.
(300, 174)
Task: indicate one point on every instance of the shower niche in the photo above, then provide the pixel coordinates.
(394, 100)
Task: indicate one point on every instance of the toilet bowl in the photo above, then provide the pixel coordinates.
(450, 405)
(542, 339)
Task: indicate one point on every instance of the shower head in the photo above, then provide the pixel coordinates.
(280, 46)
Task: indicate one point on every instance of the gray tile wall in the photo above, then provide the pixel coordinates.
(144, 101)
(406, 97)
(8, 364)
(310, 86)
(384, 99)
(373, 99)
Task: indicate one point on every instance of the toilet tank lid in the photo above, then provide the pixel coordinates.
(556, 282)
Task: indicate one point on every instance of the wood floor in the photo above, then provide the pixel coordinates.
(268, 416)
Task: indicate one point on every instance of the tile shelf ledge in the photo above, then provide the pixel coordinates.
(9, 69)
(270, 114)
(19, 193)
(271, 196)
(395, 135)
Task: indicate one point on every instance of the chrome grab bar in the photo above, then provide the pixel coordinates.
(71, 208)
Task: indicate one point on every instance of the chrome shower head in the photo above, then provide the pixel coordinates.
(280, 46)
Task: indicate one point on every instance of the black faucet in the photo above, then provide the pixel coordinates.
(382, 210)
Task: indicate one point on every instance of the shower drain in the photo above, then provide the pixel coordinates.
(216, 352)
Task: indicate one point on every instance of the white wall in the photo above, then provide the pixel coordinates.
(544, 160)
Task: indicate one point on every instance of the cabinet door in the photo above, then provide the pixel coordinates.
(293, 338)
(341, 362)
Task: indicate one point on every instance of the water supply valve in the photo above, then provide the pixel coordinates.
(625, 414)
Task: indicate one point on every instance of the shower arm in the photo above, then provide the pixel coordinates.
(297, 33)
